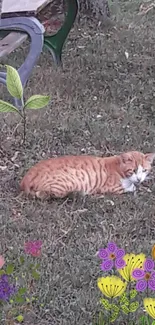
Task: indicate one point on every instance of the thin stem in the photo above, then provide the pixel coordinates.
(20, 114)
(109, 320)
(129, 300)
(24, 126)
(24, 121)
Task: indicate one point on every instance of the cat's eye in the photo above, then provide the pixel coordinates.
(144, 170)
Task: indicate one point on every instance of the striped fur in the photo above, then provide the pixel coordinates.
(60, 176)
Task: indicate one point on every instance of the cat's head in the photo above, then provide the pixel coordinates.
(137, 165)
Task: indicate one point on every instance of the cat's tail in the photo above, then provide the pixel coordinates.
(25, 184)
(28, 187)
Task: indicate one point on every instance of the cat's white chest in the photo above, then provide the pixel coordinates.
(128, 185)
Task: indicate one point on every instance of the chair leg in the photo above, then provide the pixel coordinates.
(55, 42)
(35, 30)
(2, 80)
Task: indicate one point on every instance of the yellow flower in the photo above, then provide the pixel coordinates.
(132, 262)
(153, 252)
(149, 304)
(111, 286)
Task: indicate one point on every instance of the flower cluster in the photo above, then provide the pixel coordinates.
(137, 273)
(14, 276)
(7, 290)
(145, 277)
(112, 256)
(33, 248)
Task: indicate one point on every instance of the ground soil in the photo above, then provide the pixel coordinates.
(102, 103)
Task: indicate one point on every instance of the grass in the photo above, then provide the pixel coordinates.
(102, 104)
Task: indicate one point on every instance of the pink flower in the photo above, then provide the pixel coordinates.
(33, 247)
(2, 262)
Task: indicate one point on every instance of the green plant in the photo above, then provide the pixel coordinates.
(99, 319)
(15, 88)
(123, 290)
(18, 281)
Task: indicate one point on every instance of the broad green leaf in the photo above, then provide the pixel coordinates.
(9, 269)
(125, 309)
(35, 275)
(153, 323)
(19, 299)
(134, 306)
(7, 107)
(105, 303)
(20, 318)
(37, 101)
(21, 291)
(133, 293)
(21, 259)
(13, 82)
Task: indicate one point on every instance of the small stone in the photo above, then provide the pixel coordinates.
(126, 54)
(83, 150)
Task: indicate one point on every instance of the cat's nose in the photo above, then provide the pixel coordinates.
(138, 179)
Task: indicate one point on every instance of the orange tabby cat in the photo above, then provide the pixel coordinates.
(87, 174)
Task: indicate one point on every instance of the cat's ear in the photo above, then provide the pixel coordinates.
(126, 157)
(150, 157)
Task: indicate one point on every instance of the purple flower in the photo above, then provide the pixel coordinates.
(112, 256)
(145, 277)
(6, 289)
